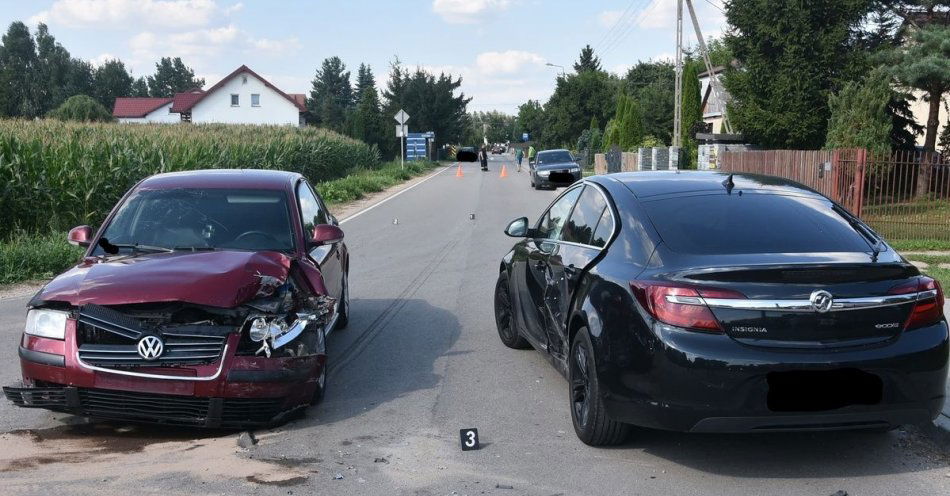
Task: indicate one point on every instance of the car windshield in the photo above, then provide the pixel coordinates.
(752, 223)
(200, 219)
(554, 157)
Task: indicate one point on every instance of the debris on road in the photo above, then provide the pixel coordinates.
(380, 460)
(503, 486)
(338, 476)
(246, 440)
(839, 493)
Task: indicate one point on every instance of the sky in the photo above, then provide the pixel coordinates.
(500, 48)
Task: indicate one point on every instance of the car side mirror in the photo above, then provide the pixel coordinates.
(80, 236)
(326, 234)
(518, 228)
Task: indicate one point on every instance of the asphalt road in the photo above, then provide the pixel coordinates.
(421, 360)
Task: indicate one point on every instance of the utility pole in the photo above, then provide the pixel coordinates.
(678, 94)
(713, 78)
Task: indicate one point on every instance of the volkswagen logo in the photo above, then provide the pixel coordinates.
(821, 301)
(151, 347)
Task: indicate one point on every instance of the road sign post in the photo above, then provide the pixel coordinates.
(401, 117)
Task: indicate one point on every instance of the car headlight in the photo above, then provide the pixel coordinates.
(544, 173)
(46, 323)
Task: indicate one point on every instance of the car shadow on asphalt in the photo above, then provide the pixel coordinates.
(388, 350)
(795, 455)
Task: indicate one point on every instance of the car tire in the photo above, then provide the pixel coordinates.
(321, 389)
(504, 316)
(588, 414)
(343, 319)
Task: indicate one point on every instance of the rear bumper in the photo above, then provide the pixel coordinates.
(235, 391)
(710, 383)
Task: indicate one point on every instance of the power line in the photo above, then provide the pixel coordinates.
(715, 6)
(616, 23)
(624, 32)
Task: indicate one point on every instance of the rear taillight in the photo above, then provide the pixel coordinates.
(928, 308)
(681, 305)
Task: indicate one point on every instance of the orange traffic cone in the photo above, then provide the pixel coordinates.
(458, 173)
(504, 172)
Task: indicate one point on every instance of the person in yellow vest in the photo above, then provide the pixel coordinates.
(532, 153)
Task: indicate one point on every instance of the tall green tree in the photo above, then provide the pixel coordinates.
(924, 64)
(364, 79)
(587, 61)
(531, 120)
(18, 73)
(367, 122)
(53, 68)
(172, 76)
(859, 117)
(139, 87)
(111, 80)
(576, 99)
(631, 130)
(792, 56)
(331, 97)
(652, 83)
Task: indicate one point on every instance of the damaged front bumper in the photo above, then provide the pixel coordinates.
(233, 391)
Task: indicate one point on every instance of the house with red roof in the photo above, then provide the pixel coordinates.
(242, 97)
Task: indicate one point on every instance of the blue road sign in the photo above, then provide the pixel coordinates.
(524, 136)
(416, 148)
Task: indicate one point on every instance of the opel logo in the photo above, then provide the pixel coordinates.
(821, 301)
(150, 347)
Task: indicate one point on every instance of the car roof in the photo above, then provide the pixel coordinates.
(646, 184)
(554, 150)
(223, 178)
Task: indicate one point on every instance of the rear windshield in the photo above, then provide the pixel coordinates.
(554, 158)
(752, 223)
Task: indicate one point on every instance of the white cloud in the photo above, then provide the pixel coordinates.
(468, 11)
(608, 18)
(275, 48)
(102, 58)
(122, 14)
(198, 45)
(661, 14)
(508, 62)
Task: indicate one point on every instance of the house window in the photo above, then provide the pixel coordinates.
(235, 100)
(255, 100)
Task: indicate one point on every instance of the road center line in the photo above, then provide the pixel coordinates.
(384, 200)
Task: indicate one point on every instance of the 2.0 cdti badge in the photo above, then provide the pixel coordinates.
(710, 302)
(205, 299)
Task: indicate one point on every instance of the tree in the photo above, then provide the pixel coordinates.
(172, 76)
(652, 83)
(53, 67)
(576, 99)
(631, 127)
(139, 87)
(924, 64)
(587, 61)
(111, 80)
(18, 73)
(81, 108)
(945, 139)
(791, 56)
(364, 80)
(859, 117)
(692, 102)
(367, 123)
(331, 96)
(531, 120)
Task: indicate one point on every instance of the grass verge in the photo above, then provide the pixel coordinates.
(26, 257)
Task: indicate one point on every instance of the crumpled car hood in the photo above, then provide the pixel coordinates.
(223, 279)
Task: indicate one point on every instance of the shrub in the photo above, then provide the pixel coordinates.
(81, 108)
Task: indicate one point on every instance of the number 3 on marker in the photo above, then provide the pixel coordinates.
(469, 439)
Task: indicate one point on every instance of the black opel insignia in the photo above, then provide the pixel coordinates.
(711, 302)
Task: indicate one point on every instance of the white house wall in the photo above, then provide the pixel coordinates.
(159, 115)
(273, 109)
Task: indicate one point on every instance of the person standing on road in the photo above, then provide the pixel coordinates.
(484, 157)
(519, 155)
(532, 153)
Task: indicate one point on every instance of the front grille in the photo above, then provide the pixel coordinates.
(241, 411)
(110, 339)
(124, 405)
(130, 406)
(53, 398)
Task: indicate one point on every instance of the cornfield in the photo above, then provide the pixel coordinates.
(55, 175)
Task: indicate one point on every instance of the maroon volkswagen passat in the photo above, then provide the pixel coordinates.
(205, 299)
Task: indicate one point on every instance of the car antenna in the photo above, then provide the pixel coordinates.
(729, 184)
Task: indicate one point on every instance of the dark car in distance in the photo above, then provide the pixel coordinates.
(205, 299)
(553, 168)
(708, 302)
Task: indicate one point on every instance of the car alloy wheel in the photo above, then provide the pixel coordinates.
(588, 414)
(504, 318)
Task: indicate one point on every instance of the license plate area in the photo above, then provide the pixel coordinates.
(561, 177)
(822, 390)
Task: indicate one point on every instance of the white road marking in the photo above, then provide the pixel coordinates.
(384, 200)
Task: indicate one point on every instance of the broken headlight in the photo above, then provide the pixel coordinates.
(46, 323)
